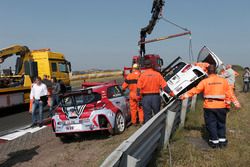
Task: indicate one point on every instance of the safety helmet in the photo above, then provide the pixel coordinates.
(135, 66)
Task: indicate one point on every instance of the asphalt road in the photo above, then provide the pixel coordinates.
(16, 120)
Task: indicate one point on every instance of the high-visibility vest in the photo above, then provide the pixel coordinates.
(150, 82)
(216, 92)
(131, 83)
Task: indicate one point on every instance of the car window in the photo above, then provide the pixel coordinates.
(67, 101)
(174, 70)
(114, 92)
(76, 100)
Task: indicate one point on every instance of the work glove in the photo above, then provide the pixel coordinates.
(184, 96)
(140, 104)
(172, 94)
(138, 98)
(237, 106)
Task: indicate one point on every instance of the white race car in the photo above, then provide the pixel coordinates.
(180, 78)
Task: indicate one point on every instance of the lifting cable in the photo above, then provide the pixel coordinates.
(191, 56)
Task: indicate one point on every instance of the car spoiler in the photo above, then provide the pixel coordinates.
(77, 92)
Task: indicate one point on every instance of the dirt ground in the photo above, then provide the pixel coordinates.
(43, 149)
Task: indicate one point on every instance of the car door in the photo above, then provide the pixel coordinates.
(206, 55)
(116, 96)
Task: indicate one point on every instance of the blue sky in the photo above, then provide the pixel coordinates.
(104, 33)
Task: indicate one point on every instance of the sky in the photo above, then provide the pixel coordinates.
(103, 34)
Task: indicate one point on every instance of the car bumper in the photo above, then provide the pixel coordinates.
(83, 124)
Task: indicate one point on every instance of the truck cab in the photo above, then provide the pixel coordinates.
(156, 60)
(15, 86)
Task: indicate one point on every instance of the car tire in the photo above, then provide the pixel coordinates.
(120, 123)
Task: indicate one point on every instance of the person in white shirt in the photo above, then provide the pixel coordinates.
(38, 93)
(229, 75)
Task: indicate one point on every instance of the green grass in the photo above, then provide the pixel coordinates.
(186, 152)
(77, 83)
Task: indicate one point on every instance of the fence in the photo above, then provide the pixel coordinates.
(139, 149)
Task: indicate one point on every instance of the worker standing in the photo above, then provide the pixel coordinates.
(56, 89)
(246, 79)
(131, 84)
(217, 95)
(38, 94)
(148, 88)
(229, 74)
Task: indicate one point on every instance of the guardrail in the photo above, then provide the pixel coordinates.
(140, 148)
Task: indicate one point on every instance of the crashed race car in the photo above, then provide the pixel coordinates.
(181, 76)
(99, 106)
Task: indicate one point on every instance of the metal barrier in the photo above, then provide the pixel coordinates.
(139, 149)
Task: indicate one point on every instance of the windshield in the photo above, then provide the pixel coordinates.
(63, 67)
(82, 99)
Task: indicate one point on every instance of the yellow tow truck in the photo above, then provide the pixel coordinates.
(15, 86)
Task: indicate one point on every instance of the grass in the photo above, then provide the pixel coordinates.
(189, 149)
(77, 83)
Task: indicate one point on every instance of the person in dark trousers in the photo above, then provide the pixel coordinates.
(47, 82)
(149, 85)
(62, 86)
(217, 95)
(56, 89)
(37, 94)
(246, 79)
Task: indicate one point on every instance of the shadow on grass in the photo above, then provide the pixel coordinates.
(20, 156)
(202, 129)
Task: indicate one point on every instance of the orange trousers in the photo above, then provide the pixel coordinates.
(134, 108)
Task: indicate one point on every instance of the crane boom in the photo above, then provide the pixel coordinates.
(165, 38)
(156, 13)
(15, 49)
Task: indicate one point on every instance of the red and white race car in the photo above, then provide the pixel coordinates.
(99, 106)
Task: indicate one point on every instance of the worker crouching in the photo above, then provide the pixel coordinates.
(217, 95)
(148, 88)
(131, 83)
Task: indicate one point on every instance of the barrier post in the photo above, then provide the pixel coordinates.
(183, 112)
(169, 125)
(193, 103)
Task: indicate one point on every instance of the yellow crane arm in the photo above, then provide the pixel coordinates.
(15, 49)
